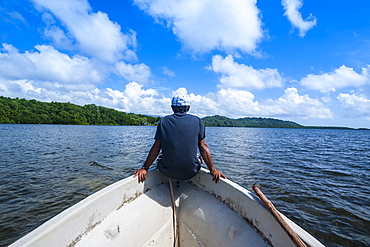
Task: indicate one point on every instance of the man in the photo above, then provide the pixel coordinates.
(179, 136)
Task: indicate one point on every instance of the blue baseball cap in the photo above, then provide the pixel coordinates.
(180, 100)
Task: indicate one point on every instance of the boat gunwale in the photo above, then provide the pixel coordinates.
(203, 182)
(154, 178)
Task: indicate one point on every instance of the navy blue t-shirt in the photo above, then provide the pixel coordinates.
(179, 134)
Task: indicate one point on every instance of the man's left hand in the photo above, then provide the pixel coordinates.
(141, 174)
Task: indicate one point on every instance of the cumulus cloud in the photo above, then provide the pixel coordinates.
(293, 104)
(136, 99)
(94, 33)
(204, 25)
(32, 73)
(138, 72)
(46, 74)
(236, 103)
(340, 78)
(47, 64)
(355, 105)
(235, 75)
(45, 81)
(44, 91)
(58, 37)
(132, 99)
(291, 8)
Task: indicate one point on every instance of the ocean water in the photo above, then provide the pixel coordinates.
(318, 178)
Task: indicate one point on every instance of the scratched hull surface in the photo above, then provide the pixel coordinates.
(127, 213)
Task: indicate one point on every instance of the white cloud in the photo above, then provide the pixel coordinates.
(47, 64)
(204, 25)
(138, 72)
(181, 91)
(355, 105)
(339, 78)
(168, 72)
(138, 100)
(293, 104)
(291, 8)
(235, 75)
(58, 37)
(48, 69)
(238, 103)
(44, 91)
(17, 16)
(230, 102)
(95, 34)
(49, 75)
(235, 103)
(55, 33)
(12, 17)
(132, 99)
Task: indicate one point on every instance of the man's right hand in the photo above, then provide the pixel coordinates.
(217, 175)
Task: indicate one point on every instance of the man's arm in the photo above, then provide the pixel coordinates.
(207, 157)
(153, 154)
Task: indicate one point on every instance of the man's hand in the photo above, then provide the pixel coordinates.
(217, 175)
(153, 154)
(140, 174)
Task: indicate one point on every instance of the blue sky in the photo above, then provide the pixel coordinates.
(306, 62)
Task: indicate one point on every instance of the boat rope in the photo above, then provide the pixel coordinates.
(175, 226)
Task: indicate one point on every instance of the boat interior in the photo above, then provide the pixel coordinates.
(128, 213)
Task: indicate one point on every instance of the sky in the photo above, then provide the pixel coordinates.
(302, 61)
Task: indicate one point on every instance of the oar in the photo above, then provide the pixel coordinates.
(175, 226)
(297, 241)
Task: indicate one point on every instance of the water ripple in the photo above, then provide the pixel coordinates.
(318, 178)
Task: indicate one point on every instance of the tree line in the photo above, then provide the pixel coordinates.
(221, 121)
(258, 122)
(22, 111)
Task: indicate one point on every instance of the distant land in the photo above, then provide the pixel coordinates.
(22, 111)
(259, 122)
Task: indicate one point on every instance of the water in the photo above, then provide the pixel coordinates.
(318, 178)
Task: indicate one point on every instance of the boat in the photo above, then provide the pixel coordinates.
(198, 212)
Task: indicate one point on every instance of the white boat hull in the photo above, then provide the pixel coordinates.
(128, 213)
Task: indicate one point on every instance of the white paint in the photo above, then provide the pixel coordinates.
(127, 213)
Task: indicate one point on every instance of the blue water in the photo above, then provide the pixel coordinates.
(318, 178)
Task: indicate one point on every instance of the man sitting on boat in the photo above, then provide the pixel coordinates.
(179, 136)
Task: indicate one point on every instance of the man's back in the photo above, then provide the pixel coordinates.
(179, 134)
